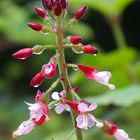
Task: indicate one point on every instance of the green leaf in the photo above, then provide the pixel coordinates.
(107, 7)
(121, 97)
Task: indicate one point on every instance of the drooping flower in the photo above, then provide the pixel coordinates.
(62, 105)
(85, 119)
(93, 74)
(23, 53)
(39, 113)
(111, 129)
(25, 128)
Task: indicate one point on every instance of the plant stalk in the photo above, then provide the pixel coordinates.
(63, 73)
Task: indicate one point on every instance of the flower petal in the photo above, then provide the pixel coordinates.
(82, 122)
(92, 107)
(121, 135)
(60, 108)
(67, 107)
(55, 96)
(91, 120)
(24, 128)
(82, 107)
(103, 78)
(38, 96)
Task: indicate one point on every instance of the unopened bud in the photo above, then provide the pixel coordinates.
(40, 12)
(88, 49)
(23, 53)
(80, 12)
(48, 4)
(35, 26)
(75, 39)
(64, 4)
(37, 80)
(57, 8)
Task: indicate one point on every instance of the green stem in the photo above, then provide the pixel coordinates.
(63, 71)
(119, 36)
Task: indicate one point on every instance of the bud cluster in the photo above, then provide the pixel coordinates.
(67, 99)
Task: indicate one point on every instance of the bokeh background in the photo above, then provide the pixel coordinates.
(111, 25)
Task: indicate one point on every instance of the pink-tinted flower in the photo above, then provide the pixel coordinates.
(61, 106)
(121, 135)
(39, 112)
(49, 70)
(88, 49)
(35, 26)
(37, 80)
(80, 12)
(93, 74)
(40, 12)
(23, 53)
(85, 119)
(25, 128)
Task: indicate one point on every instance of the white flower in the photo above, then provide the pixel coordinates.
(24, 128)
(86, 120)
(103, 78)
(61, 106)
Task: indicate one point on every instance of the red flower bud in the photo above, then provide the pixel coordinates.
(23, 53)
(49, 70)
(57, 8)
(109, 128)
(37, 80)
(35, 26)
(40, 12)
(64, 4)
(75, 40)
(48, 4)
(88, 71)
(89, 49)
(80, 12)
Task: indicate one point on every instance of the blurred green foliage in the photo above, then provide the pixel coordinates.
(122, 105)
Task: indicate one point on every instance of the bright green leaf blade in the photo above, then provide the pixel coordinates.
(122, 97)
